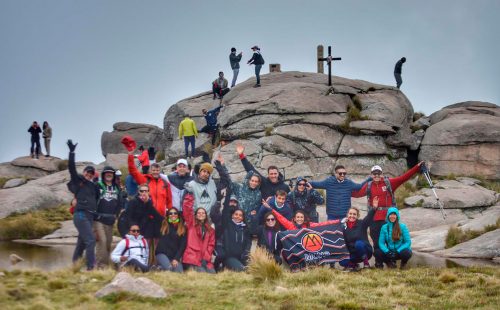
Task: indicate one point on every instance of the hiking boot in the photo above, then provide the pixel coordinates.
(214, 96)
(256, 85)
(391, 265)
(379, 265)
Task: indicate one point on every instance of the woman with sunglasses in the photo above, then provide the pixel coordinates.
(200, 237)
(266, 236)
(172, 243)
(304, 197)
(132, 250)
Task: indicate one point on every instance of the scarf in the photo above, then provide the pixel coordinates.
(351, 225)
(240, 224)
(176, 221)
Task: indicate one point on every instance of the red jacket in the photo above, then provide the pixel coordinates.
(289, 225)
(159, 190)
(144, 158)
(197, 248)
(384, 198)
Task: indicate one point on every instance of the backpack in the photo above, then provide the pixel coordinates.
(389, 191)
(127, 245)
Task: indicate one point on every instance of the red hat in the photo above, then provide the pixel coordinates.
(129, 143)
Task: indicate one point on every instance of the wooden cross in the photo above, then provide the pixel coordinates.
(328, 60)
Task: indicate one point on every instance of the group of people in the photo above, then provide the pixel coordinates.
(35, 131)
(186, 220)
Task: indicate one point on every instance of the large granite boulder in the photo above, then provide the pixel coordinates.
(486, 246)
(25, 198)
(464, 139)
(29, 168)
(144, 134)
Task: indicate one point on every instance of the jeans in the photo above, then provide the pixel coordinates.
(399, 80)
(35, 147)
(375, 227)
(187, 141)
(165, 263)
(104, 234)
(137, 265)
(46, 142)
(257, 73)
(234, 264)
(86, 241)
(235, 76)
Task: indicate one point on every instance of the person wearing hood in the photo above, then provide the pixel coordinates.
(177, 180)
(132, 250)
(110, 203)
(270, 185)
(266, 236)
(247, 193)
(172, 242)
(304, 197)
(258, 61)
(277, 203)
(394, 242)
(86, 193)
(159, 189)
(202, 188)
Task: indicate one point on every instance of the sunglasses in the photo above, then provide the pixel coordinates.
(377, 173)
(270, 220)
(143, 191)
(135, 230)
(301, 184)
(342, 173)
(173, 213)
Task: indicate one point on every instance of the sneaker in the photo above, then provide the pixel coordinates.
(47, 155)
(256, 85)
(379, 265)
(366, 264)
(391, 265)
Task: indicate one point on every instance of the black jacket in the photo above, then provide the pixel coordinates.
(263, 241)
(86, 192)
(35, 133)
(358, 232)
(267, 188)
(234, 60)
(256, 59)
(236, 239)
(145, 215)
(171, 244)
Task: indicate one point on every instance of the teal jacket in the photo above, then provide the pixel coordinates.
(385, 241)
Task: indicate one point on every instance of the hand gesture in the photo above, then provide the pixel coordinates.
(220, 158)
(309, 186)
(375, 202)
(71, 146)
(266, 205)
(240, 149)
(175, 263)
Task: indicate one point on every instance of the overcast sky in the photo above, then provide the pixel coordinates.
(84, 65)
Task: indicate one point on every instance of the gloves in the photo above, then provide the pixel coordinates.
(71, 146)
(391, 255)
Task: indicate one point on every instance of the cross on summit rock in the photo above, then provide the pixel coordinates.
(329, 59)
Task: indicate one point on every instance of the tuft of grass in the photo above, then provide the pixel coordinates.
(456, 235)
(3, 181)
(33, 225)
(268, 131)
(353, 114)
(404, 192)
(492, 185)
(56, 284)
(418, 115)
(263, 267)
(62, 165)
(447, 277)
(160, 155)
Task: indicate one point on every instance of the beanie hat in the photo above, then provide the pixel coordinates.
(89, 169)
(208, 167)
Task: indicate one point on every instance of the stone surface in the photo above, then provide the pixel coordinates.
(422, 218)
(456, 195)
(429, 240)
(374, 126)
(48, 164)
(143, 134)
(485, 218)
(486, 246)
(7, 170)
(116, 160)
(67, 230)
(362, 145)
(124, 282)
(26, 198)
(421, 123)
(14, 183)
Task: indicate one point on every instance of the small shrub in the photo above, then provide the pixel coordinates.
(456, 235)
(3, 181)
(62, 165)
(404, 192)
(263, 267)
(357, 103)
(160, 155)
(268, 131)
(447, 277)
(371, 88)
(418, 115)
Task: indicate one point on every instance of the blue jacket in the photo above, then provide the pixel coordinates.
(338, 195)
(211, 116)
(285, 210)
(385, 241)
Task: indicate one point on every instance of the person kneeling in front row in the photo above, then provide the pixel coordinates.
(132, 250)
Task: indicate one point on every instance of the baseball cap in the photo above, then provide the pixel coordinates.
(181, 161)
(376, 168)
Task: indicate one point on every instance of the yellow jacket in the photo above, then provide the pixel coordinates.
(187, 128)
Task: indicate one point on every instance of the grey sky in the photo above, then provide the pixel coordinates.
(84, 65)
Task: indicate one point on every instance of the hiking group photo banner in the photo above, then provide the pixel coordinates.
(312, 246)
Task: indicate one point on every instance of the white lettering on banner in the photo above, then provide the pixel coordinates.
(316, 256)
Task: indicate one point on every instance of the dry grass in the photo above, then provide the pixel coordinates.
(456, 235)
(263, 267)
(3, 181)
(319, 288)
(62, 165)
(403, 192)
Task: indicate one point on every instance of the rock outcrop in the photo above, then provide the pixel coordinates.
(464, 139)
(29, 168)
(125, 282)
(144, 134)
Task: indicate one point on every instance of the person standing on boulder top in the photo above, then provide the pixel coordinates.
(258, 61)
(187, 129)
(234, 60)
(35, 131)
(47, 136)
(397, 71)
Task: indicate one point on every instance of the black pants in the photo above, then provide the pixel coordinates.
(219, 91)
(211, 130)
(375, 227)
(138, 266)
(404, 256)
(35, 147)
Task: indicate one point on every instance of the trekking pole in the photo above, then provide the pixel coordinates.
(425, 172)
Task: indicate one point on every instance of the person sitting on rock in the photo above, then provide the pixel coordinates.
(172, 243)
(277, 203)
(219, 86)
(211, 117)
(270, 185)
(177, 179)
(143, 159)
(356, 238)
(338, 193)
(394, 242)
(132, 251)
(304, 197)
(383, 188)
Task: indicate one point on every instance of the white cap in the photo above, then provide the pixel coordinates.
(118, 173)
(376, 167)
(182, 161)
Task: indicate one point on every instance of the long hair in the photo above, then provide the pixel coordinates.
(45, 125)
(306, 218)
(165, 227)
(207, 223)
(396, 231)
(277, 226)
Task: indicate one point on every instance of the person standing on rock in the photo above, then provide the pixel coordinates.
(177, 180)
(143, 159)
(305, 198)
(258, 61)
(47, 136)
(110, 203)
(187, 129)
(219, 86)
(234, 60)
(338, 192)
(383, 188)
(211, 117)
(86, 193)
(270, 185)
(398, 69)
(35, 131)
